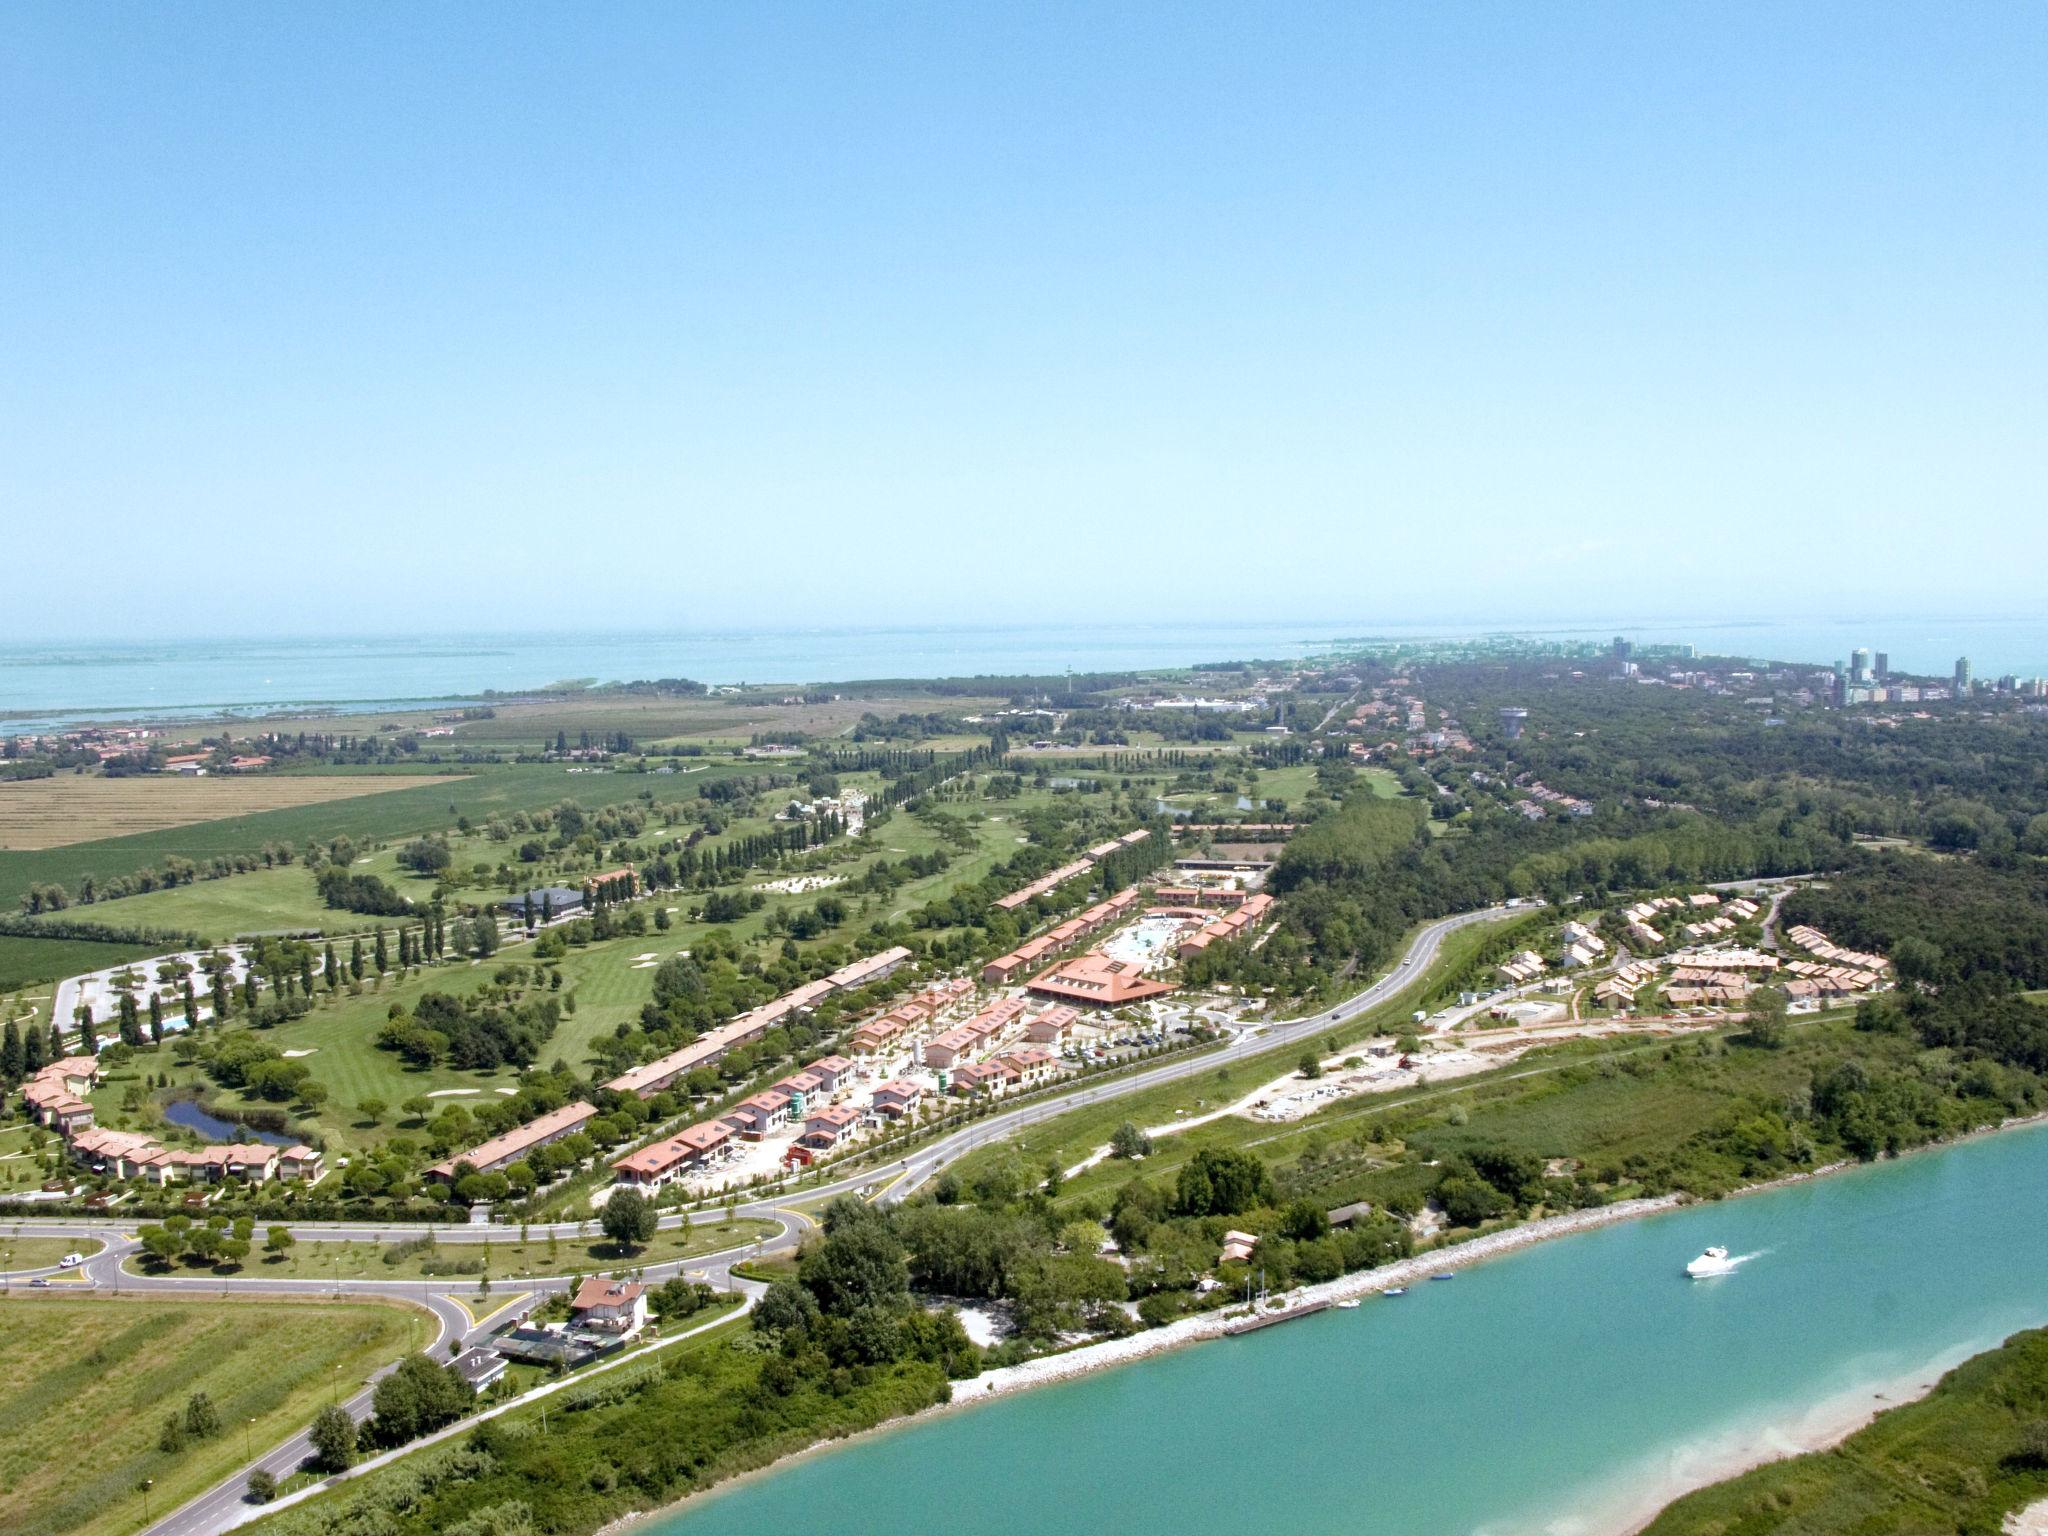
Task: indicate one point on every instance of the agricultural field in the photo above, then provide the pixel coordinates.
(92, 1379)
(367, 817)
(73, 808)
(721, 720)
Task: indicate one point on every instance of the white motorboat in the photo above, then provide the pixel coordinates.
(1714, 1261)
(1348, 1306)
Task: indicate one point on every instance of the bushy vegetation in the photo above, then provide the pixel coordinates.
(1960, 1459)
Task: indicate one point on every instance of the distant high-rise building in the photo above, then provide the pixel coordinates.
(1623, 649)
(1884, 667)
(1512, 721)
(1859, 665)
(1963, 678)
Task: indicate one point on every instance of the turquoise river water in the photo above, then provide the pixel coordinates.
(1571, 1387)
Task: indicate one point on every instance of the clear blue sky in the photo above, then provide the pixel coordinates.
(331, 318)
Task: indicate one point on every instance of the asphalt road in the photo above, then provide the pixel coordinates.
(224, 1505)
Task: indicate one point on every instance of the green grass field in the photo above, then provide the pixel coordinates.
(91, 1379)
(507, 1259)
(26, 962)
(41, 1252)
(1957, 1460)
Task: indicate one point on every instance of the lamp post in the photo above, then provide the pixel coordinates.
(147, 1483)
(248, 1435)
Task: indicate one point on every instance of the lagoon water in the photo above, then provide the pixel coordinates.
(1566, 1388)
(49, 683)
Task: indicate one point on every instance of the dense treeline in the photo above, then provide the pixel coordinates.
(1944, 920)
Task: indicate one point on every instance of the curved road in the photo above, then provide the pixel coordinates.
(224, 1505)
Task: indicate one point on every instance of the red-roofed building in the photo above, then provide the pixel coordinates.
(1094, 980)
(680, 1155)
(897, 1098)
(826, 1128)
(610, 1306)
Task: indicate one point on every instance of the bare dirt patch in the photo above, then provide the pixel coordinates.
(56, 812)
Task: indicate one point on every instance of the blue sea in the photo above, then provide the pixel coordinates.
(50, 684)
(1567, 1390)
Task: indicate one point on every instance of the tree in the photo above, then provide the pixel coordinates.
(1309, 1066)
(416, 1398)
(333, 1437)
(278, 1240)
(1129, 1141)
(628, 1219)
(372, 1110)
(1222, 1182)
(1766, 1013)
(202, 1419)
(262, 1486)
(860, 1263)
(1304, 1221)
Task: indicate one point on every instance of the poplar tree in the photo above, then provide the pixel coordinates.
(331, 969)
(381, 954)
(156, 1015)
(10, 1054)
(355, 960)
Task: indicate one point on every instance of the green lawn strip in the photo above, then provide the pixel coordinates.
(42, 1252)
(504, 1259)
(91, 1380)
(1957, 1460)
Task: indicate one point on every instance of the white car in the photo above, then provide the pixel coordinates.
(71, 1261)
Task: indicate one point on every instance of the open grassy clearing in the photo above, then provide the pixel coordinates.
(41, 1252)
(90, 1381)
(75, 808)
(506, 1259)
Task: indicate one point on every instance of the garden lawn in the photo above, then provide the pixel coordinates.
(89, 1382)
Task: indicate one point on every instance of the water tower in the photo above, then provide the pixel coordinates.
(1511, 721)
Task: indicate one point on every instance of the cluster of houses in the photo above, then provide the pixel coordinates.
(1543, 800)
(710, 1047)
(1696, 984)
(1619, 990)
(1007, 968)
(1814, 942)
(1237, 922)
(873, 1036)
(502, 1152)
(1520, 969)
(56, 1097)
(1027, 893)
(806, 1098)
(1640, 920)
(1582, 946)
